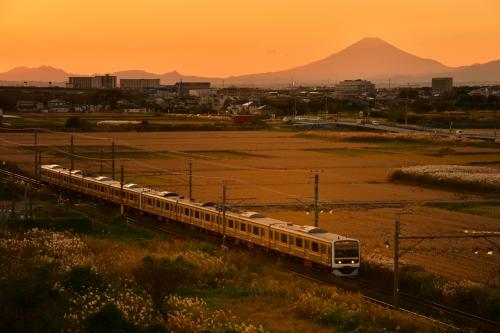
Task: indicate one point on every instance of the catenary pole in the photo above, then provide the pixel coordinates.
(396, 262)
(122, 208)
(71, 152)
(113, 160)
(316, 215)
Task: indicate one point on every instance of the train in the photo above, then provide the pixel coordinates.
(312, 245)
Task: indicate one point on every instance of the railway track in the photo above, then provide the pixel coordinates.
(12, 175)
(371, 292)
(411, 304)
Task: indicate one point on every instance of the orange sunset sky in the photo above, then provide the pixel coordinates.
(221, 37)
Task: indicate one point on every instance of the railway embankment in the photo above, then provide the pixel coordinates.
(111, 273)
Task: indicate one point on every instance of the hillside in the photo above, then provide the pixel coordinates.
(369, 58)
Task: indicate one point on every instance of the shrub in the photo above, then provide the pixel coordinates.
(163, 276)
(108, 319)
(77, 223)
(29, 303)
(81, 278)
(191, 315)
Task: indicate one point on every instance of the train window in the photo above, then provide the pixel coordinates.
(255, 230)
(197, 214)
(207, 217)
(284, 238)
(219, 219)
(314, 247)
(323, 248)
(298, 242)
(157, 203)
(243, 226)
(276, 235)
(186, 211)
(230, 223)
(270, 235)
(263, 232)
(102, 189)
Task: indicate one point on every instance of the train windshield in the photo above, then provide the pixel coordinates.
(346, 249)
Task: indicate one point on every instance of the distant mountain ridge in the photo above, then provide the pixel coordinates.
(370, 58)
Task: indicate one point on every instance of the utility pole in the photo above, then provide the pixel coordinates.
(113, 160)
(190, 180)
(223, 214)
(122, 209)
(30, 200)
(495, 119)
(294, 106)
(396, 262)
(101, 167)
(25, 201)
(406, 106)
(71, 152)
(316, 216)
(13, 204)
(326, 104)
(36, 153)
(39, 165)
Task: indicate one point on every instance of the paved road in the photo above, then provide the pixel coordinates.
(317, 122)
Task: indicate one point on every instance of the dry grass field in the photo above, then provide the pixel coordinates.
(278, 167)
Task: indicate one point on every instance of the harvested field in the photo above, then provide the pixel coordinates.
(454, 259)
(277, 167)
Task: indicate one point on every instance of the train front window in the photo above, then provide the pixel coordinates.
(346, 249)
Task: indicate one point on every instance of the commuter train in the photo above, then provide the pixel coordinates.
(315, 246)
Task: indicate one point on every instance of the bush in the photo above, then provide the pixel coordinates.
(108, 319)
(163, 276)
(29, 303)
(81, 278)
(76, 223)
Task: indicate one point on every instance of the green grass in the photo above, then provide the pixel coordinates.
(488, 210)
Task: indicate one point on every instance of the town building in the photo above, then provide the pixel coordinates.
(442, 84)
(183, 88)
(58, 105)
(104, 82)
(354, 88)
(29, 106)
(139, 84)
(80, 82)
(95, 82)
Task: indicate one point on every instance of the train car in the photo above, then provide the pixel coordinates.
(315, 246)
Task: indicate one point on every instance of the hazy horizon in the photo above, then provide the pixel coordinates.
(224, 38)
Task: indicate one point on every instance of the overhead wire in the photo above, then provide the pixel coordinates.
(128, 144)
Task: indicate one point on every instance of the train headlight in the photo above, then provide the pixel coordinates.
(339, 262)
(352, 261)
